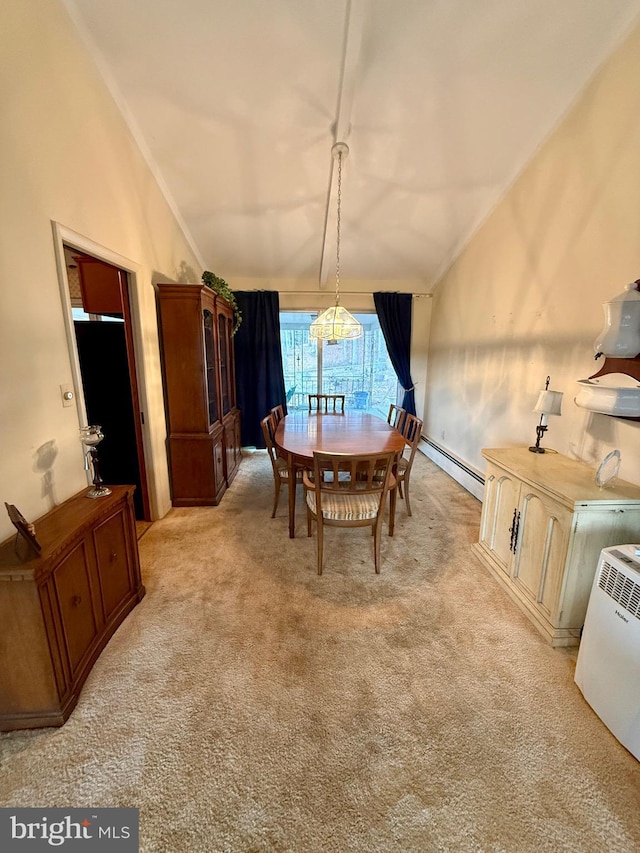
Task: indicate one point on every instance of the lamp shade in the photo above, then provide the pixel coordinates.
(549, 403)
(335, 324)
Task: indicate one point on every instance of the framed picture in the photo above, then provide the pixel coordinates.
(24, 528)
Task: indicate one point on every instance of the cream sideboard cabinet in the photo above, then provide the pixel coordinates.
(544, 522)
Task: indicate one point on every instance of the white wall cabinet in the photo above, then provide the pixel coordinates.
(544, 522)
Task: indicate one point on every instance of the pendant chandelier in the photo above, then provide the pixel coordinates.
(336, 323)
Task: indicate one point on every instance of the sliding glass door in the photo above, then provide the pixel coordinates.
(360, 369)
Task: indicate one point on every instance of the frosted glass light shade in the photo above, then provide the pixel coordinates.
(620, 335)
(549, 403)
(335, 324)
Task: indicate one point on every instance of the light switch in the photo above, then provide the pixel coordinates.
(68, 395)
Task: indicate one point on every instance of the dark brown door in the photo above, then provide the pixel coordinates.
(107, 364)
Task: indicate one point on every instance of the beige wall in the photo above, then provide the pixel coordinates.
(524, 300)
(67, 157)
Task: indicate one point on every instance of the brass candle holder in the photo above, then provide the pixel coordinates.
(91, 436)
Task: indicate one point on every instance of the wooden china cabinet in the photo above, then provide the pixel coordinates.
(200, 389)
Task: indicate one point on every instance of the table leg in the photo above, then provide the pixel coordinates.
(292, 497)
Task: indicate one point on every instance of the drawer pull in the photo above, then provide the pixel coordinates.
(76, 600)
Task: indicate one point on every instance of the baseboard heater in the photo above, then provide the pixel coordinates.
(456, 468)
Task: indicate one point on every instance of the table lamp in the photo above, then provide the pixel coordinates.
(549, 403)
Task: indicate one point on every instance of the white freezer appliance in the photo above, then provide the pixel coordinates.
(608, 663)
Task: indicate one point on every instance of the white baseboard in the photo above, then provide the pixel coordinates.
(468, 477)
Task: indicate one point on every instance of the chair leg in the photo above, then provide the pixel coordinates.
(392, 510)
(406, 495)
(320, 537)
(377, 528)
(276, 497)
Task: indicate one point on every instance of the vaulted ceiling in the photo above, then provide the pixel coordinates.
(237, 103)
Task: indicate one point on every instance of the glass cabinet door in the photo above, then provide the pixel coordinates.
(223, 329)
(210, 362)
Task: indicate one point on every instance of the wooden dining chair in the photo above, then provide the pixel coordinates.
(348, 491)
(396, 416)
(278, 464)
(327, 403)
(278, 413)
(411, 430)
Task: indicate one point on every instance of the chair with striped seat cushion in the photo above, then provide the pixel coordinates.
(411, 430)
(278, 413)
(347, 507)
(326, 403)
(396, 416)
(348, 491)
(279, 465)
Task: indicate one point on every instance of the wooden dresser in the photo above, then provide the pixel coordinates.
(59, 609)
(544, 522)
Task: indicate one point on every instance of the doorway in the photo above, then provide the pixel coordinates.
(104, 344)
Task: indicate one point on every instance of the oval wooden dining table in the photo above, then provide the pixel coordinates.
(300, 433)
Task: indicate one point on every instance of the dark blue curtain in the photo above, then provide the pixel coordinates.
(394, 314)
(259, 375)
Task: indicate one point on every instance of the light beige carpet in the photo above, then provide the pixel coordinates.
(249, 705)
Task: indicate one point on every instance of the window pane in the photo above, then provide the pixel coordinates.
(210, 360)
(359, 368)
(299, 358)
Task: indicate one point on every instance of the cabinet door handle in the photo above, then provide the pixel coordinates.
(512, 530)
(515, 534)
(113, 557)
(76, 600)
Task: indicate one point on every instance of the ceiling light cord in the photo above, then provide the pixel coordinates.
(336, 323)
(338, 228)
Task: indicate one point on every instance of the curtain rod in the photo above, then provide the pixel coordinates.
(347, 292)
